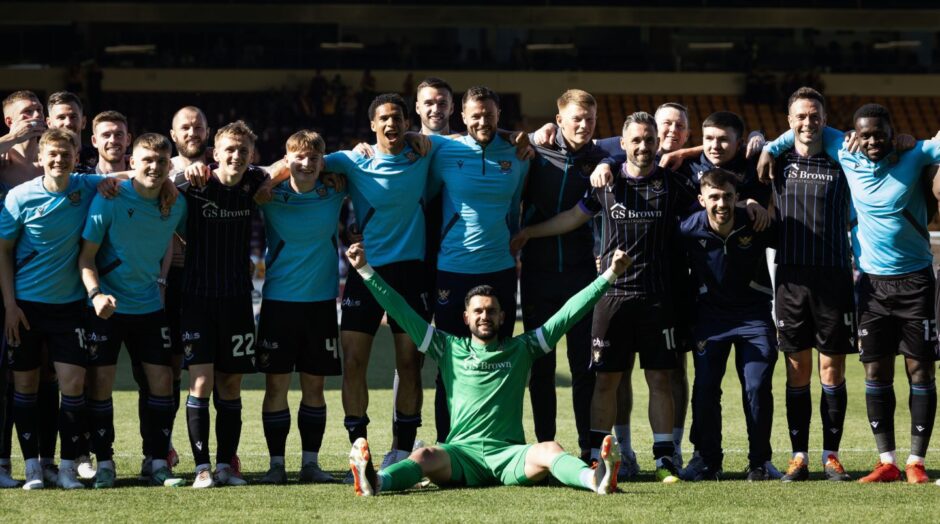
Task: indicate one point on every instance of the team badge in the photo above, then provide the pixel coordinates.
(188, 351)
(246, 188)
(75, 198)
(411, 156)
(657, 185)
(264, 359)
(700, 346)
(130, 212)
(321, 191)
(505, 167)
(443, 296)
(93, 351)
(744, 242)
(596, 355)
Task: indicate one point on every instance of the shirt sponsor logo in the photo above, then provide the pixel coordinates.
(473, 363)
(268, 344)
(189, 336)
(795, 173)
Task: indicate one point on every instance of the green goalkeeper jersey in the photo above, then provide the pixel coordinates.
(485, 385)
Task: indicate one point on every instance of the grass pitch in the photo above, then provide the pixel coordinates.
(643, 500)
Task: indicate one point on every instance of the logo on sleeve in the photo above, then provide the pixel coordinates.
(505, 167)
(75, 197)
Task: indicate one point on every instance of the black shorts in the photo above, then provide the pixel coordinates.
(362, 313)
(147, 338)
(219, 331)
(622, 326)
(895, 315)
(815, 307)
(172, 306)
(57, 326)
(300, 336)
(452, 289)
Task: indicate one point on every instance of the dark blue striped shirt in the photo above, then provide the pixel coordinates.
(811, 195)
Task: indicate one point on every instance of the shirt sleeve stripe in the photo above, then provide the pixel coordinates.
(428, 337)
(542, 342)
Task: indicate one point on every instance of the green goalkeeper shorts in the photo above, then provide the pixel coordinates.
(487, 462)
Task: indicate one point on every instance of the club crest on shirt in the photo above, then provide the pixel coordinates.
(93, 351)
(505, 166)
(700, 347)
(657, 185)
(246, 188)
(443, 296)
(188, 351)
(75, 197)
(321, 191)
(744, 242)
(411, 156)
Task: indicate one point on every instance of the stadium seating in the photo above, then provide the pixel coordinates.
(918, 116)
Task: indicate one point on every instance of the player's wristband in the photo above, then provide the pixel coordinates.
(161, 282)
(94, 292)
(609, 275)
(366, 272)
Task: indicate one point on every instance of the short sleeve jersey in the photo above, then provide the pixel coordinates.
(47, 227)
(133, 235)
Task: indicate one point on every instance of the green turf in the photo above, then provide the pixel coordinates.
(643, 500)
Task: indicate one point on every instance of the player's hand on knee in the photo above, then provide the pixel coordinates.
(620, 262)
(602, 175)
(356, 255)
(104, 305)
(364, 150)
(14, 317)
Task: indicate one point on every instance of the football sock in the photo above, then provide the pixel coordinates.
(71, 422)
(880, 401)
(923, 406)
(799, 412)
(24, 412)
(311, 421)
(197, 421)
(101, 422)
(441, 411)
(142, 411)
(662, 447)
(677, 434)
(48, 422)
(228, 428)
(597, 439)
(569, 470)
(308, 457)
(400, 475)
(161, 414)
(357, 427)
(177, 385)
(887, 457)
(832, 407)
(407, 430)
(6, 437)
(276, 427)
(622, 432)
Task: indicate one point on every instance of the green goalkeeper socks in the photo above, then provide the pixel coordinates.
(570, 471)
(401, 475)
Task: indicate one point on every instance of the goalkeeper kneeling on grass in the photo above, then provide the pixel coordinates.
(485, 379)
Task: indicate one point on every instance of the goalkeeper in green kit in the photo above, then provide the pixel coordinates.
(485, 379)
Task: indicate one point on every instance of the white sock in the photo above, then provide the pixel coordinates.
(803, 455)
(587, 479)
(277, 461)
(826, 453)
(106, 464)
(159, 463)
(887, 457)
(661, 437)
(622, 432)
(308, 457)
(914, 459)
